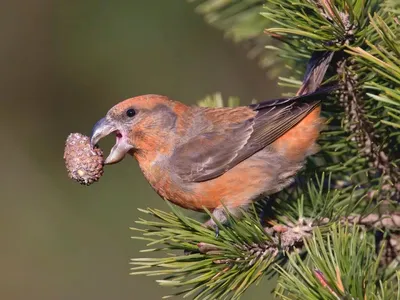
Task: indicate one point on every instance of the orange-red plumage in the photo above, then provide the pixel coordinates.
(209, 157)
(218, 157)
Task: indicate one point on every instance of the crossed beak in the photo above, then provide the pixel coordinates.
(105, 127)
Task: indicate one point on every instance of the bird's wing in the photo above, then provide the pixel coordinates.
(227, 142)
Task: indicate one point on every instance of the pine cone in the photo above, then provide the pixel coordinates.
(84, 163)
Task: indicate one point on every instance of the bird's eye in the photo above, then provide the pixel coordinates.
(130, 112)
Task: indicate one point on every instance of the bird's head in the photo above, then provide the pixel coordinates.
(142, 123)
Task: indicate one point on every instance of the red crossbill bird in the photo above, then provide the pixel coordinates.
(218, 158)
(213, 158)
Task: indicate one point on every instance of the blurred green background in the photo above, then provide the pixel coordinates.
(63, 65)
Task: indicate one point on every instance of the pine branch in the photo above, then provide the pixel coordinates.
(357, 122)
(385, 221)
(335, 237)
(385, 59)
(361, 146)
(224, 267)
(341, 265)
(241, 256)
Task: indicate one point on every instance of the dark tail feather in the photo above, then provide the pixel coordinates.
(310, 90)
(315, 72)
(311, 97)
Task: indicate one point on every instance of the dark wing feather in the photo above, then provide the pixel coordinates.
(210, 154)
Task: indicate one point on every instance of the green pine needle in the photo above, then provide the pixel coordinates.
(342, 264)
(334, 260)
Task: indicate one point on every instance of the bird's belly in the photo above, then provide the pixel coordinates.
(263, 173)
(260, 174)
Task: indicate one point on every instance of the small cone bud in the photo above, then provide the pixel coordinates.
(84, 163)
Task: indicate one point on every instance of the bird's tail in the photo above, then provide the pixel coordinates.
(305, 98)
(315, 72)
(311, 90)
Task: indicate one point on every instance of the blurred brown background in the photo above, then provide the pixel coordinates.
(63, 65)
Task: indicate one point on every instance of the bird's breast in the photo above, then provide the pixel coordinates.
(163, 180)
(234, 188)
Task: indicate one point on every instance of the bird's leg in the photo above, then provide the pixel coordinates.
(220, 215)
(266, 210)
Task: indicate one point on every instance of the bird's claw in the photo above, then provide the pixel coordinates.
(216, 230)
(212, 225)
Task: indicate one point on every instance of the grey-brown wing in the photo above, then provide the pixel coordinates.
(209, 154)
(212, 153)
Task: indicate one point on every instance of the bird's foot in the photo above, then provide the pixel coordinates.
(219, 214)
(212, 225)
